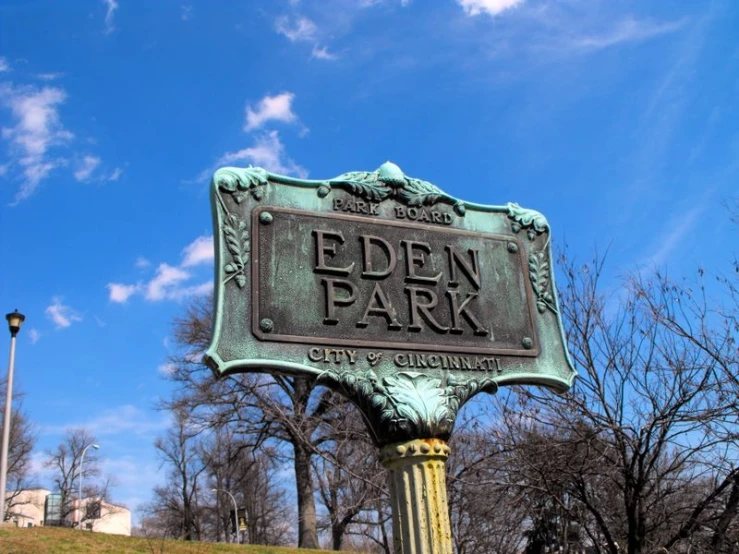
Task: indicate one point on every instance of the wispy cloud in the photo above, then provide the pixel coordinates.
(123, 419)
(142, 262)
(110, 8)
(296, 28)
(85, 168)
(322, 53)
(626, 31)
(170, 282)
(34, 336)
(61, 315)
(4, 66)
(49, 76)
(186, 12)
(489, 7)
(270, 108)
(268, 152)
(166, 369)
(37, 128)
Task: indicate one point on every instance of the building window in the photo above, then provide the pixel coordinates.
(92, 510)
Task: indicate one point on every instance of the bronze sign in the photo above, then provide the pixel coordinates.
(376, 273)
(368, 283)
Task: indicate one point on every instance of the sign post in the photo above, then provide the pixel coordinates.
(400, 297)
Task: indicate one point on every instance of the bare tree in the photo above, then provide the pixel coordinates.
(618, 454)
(250, 476)
(65, 462)
(711, 326)
(267, 409)
(350, 480)
(176, 502)
(20, 447)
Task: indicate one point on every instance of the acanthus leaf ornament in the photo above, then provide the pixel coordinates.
(406, 404)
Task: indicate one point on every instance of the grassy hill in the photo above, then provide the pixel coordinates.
(49, 540)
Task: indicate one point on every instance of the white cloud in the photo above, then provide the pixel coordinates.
(170, 282)
(628, 30)
(34, 336)
(296, 28)
(110, 7)
(268, 152)
(165, 282)
(4, 65)
(62, 316)
(199, 251)
(186, 10)
(86, 168)
(490, 7)
(120, 293)
(270, 108)
(37, 128)
(322, 53)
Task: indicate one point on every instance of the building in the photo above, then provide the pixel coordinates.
(39, 507)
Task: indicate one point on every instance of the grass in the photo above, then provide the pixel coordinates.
(51, 540)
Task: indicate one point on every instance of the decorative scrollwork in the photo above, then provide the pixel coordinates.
(407, 404)
(523, 218)
(237, 180)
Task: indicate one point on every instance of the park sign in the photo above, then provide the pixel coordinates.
(381, 286)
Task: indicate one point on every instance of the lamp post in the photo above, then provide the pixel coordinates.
(79, 503)
(14, 324)
(236, 512)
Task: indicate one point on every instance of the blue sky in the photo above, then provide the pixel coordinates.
(618, 120)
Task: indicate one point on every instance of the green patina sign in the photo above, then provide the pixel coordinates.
(383, 287)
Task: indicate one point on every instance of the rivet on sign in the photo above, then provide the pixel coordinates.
(266, 324)
(265, 217)
(527, 343)
(512, 247)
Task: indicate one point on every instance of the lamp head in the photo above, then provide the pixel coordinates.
(14, 322)
(96, 446)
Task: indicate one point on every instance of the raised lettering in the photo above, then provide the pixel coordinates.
(369, 270)
(463, 310)
(414, 256)
(322, 248)
(380, 306)
(471, 269)
(333, 300)
(422, 310)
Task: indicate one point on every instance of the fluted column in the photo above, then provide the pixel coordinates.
(418, 496)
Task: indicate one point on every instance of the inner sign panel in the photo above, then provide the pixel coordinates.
(353, 281)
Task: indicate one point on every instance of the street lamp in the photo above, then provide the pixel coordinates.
(236, 511)
(79, 503)
(14, 324)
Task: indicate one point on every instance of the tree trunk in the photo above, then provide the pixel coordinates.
(307, 530)
(730, 512)
(337, 536)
